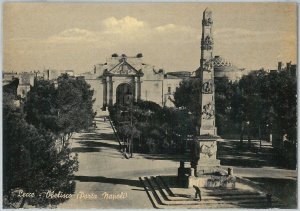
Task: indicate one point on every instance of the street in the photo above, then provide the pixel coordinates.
(107, 180)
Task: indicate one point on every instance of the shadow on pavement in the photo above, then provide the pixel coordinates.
(97, 136)
(85, 149)
(172, 181)
(175, 158)
(245, 161)
(96, 144)
(284, 189)
(232, 154)
(115, 181)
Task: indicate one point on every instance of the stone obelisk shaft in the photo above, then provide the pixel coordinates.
(206, 73)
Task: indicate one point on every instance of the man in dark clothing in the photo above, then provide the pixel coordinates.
(198, 192)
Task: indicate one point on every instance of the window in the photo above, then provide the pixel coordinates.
(169, 89)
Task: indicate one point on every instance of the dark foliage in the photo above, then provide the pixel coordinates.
(154, 129)
(32, 163)
(267, 101)
(187, 95)
(62, 110)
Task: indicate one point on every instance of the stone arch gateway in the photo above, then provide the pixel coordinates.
(124, 93)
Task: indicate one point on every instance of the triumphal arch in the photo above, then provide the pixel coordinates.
(122, 76)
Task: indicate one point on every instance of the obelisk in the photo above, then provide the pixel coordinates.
(207, 137)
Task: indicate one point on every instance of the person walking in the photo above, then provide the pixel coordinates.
(198, 192)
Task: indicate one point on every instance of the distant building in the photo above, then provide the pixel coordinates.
(52, 74)
(291, 68)
(11, 88)
(224, 68)
(8, 77)
(26, 79)
(171, 82)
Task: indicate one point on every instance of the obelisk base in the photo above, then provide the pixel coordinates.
(208, 161)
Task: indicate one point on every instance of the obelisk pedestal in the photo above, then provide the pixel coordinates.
(208, 161)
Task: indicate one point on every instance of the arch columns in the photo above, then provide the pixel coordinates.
(110, 91)
(104, 82)
(138, 87)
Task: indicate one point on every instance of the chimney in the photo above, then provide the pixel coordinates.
(279, 66)
(288, 66)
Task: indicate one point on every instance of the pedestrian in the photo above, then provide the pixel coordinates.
(197, 193)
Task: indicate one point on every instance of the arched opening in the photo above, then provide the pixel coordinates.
(124, 94)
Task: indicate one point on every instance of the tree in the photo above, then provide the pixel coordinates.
(75, 106)
(41, 106)
(281, 92)
(155, 129)
(62, 110)
(32, 163)
(224, 92)
(269, 99)
(187, 95)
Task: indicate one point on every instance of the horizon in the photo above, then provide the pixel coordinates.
(77, 36)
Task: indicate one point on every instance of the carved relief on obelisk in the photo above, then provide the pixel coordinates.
(206, 73)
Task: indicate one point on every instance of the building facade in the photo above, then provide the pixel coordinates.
(26, 80)
(121, 77)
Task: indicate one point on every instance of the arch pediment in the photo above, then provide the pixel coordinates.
(123, 68)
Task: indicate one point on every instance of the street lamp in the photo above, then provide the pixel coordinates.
(129, 101)
(248, 133)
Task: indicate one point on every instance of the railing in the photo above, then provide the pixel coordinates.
(115, 132)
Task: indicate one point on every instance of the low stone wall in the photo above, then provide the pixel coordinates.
(211, 181)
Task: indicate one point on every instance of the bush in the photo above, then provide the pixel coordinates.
(155, 129)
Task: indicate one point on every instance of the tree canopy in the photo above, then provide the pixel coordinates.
(32, 163)
(264, 99)
(36, 152)
(64, 109)
(187, 95)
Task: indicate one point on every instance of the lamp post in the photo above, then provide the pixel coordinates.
(259, 134)
(125, 140)
(129, 102)
(248, 133)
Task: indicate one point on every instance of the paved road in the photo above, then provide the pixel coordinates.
(103, 170)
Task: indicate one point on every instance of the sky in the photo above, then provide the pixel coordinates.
(78, 36)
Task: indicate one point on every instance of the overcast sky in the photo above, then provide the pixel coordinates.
(77, 36)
